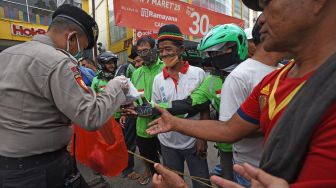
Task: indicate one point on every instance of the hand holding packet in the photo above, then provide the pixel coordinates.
(132, 94)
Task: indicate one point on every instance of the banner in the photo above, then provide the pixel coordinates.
(152, 14)
(141, 33)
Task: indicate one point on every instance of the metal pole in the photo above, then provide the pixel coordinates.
(28, 15)
(94, 17)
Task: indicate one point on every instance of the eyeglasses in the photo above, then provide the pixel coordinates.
(143, 52)
(138, 61)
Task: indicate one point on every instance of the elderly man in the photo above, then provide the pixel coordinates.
(294, 106)
(42, 92)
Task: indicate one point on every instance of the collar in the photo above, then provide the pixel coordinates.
(183, 70)
(44, 39)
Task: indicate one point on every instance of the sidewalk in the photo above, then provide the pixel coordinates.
(118, 182)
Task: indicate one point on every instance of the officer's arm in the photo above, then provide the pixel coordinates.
(80, 103)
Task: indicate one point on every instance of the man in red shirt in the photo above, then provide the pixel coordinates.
(305, 29)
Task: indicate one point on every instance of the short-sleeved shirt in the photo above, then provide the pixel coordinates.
(320, 163)
(237, 87)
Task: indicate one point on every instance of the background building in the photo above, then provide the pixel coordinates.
(20, 20)
(119, 39)
(234, 8)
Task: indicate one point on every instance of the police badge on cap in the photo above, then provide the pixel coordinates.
(81, 18)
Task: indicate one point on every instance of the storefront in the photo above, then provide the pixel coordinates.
(20, 20)
(14, 32)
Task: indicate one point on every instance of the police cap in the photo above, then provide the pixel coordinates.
(81, 18)
(253, 4)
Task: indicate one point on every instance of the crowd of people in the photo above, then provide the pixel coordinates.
(266, 99)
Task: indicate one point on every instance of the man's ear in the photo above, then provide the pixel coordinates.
(72, 35)
(319, 6)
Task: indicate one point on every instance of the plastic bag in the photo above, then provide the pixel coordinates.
(132, 94)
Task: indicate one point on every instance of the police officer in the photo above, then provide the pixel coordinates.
(41, 93)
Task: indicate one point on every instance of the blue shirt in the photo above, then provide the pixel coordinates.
(87, 75)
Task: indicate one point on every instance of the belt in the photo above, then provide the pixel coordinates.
(10, 163)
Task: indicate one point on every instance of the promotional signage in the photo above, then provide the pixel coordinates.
(20, 30)
(152, 14)
(141, 33)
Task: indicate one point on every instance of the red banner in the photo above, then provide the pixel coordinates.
(152, 14)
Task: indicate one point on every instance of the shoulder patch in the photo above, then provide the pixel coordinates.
(75, 70)
(79, 78)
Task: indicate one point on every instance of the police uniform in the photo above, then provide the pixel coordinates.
(41, 93)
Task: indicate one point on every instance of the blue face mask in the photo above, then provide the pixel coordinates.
(79, 53)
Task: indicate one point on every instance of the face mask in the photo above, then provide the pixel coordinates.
(150, 58)
(170, 60)
(78, 55)
(223, 61)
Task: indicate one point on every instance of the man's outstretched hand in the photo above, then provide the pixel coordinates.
(257, 177)
(167, 179)
(163, 124)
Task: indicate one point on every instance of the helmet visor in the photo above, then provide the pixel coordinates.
(221, 47)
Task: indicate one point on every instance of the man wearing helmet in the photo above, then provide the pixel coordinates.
(107, 65)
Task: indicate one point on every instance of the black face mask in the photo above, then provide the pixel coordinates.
(223, 61)
(106, 75)
(150, 58)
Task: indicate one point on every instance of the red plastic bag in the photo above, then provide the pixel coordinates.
(103, 150)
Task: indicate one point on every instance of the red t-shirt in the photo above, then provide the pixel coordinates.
(319, 168)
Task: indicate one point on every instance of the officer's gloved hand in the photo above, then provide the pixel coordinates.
(123, 83)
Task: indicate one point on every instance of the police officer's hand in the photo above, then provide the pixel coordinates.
(123, 83)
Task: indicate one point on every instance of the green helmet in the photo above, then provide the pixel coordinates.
(225, 36)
